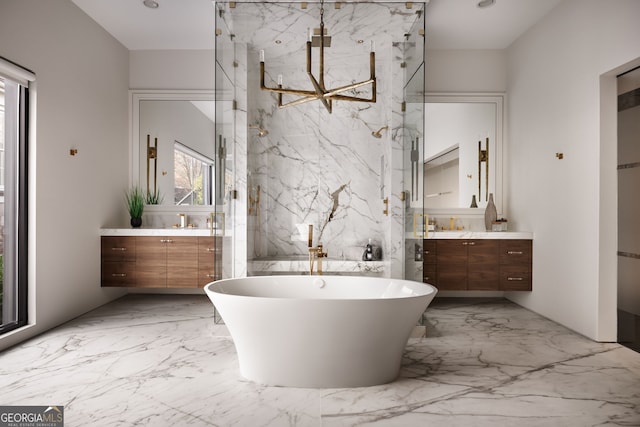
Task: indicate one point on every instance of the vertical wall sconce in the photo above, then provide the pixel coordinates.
(483, 156)
(152, 155)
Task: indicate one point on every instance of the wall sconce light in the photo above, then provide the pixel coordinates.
(152, 156)
(483, 156)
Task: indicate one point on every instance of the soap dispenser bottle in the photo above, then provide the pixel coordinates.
(368, 252)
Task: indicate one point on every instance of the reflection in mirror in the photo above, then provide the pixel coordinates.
(175, 150)
(463, 151)
(193, 176)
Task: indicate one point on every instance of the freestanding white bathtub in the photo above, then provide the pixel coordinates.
(320, 331)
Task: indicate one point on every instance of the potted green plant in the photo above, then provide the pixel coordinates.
(135, 204)
(154, 198)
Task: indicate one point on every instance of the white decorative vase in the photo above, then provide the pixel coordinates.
(490, 213)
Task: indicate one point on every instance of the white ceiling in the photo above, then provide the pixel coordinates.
(189, 24)
(460, 24)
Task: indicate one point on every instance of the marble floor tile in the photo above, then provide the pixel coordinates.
(159, 360)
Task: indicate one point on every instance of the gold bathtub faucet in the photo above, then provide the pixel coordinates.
(316, 253)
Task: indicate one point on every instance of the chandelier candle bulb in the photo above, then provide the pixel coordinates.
(280, 79)
(373, 46)
(261, 55)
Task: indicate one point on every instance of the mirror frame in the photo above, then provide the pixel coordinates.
(497, 98)
(137, 95)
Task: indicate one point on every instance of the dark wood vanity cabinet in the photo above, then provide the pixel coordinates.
(429, 261)
(467, 264)
(477, 264)
(515, 265)
(208, 261)
(166, 262)
(118, 266)
(158, 261)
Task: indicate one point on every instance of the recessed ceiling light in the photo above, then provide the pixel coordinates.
(486, 3)
(151, 4)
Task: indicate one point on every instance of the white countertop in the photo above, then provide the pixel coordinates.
(465, 234)
(142, 231)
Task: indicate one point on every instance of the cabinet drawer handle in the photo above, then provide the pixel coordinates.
(211, 276)
(515, 279)
(514, 252)
(211, 249)
(118, 249)
(465, 243)
(166, 241)
(472, 243)
(427, 252)
(118, 275)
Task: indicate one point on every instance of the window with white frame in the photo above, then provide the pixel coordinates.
(14, 145)
(193, 176)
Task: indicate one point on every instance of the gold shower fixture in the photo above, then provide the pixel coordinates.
(261, 131)
(377, 133)
(319, 38)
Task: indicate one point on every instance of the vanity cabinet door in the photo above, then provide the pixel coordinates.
(118, 248)
(451, 264)
(118, 274)
(483, 272)
(207, 257)
(429, 262)
(515, 265)
(151, 262)
(182, 262)
(118, 255)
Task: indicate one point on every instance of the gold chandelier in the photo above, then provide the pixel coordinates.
(320, 39)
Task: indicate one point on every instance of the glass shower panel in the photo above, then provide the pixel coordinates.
(413, 151)
(224, 141)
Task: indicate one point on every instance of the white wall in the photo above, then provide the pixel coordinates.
(465, 70)
(555, 90)
(171, 69)
(82, 82)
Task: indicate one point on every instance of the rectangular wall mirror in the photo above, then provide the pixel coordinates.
(463, 152)
(173, 147)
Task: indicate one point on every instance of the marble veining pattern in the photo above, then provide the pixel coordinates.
(160, 360)
(319, 168)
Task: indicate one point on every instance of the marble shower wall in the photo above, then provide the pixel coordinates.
(317, 168)
(322, 169)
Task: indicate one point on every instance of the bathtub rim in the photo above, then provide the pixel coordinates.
(431, 290)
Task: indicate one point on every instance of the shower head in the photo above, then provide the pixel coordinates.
(261, 132)
(378, 133)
